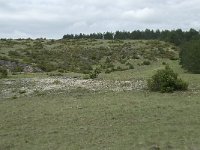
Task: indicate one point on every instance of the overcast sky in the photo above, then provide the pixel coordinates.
(54, 18)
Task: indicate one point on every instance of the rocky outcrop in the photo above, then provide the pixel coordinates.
(18, 67)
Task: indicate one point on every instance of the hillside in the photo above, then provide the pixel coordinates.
(83, 56)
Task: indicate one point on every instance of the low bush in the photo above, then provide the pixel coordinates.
(22, 91)
(119, 68)
(61, 70)
(109, 70)
(122, 61)
(166, 80)
(3, 73)
(136, 57)
(94, 74)
(17, 69)
(146, 62)
(130, 66)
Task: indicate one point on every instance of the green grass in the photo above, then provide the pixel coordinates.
(27, 75)
(87, 120)
(142, 72)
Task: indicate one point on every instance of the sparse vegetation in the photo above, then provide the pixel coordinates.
(81, 55)
(93, 95)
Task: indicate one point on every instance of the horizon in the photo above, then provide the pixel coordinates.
(35, 38)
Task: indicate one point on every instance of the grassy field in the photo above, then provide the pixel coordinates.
(82, 119)
(89, 114)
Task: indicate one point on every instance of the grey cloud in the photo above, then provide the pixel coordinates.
(52, 19)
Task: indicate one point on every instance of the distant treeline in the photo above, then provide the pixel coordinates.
(174, 36)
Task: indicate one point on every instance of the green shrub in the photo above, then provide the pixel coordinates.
(22, 91)
(85, 68)
(166, 80)
(161, 50)
(61, 70)
(3, 73)
(136, 57)
(173, 58)
(46, 66)
(146, 62)
(181, 85)
(123, 61)
(57, 82)
(130, 66)
(119, 68)
(17, 69)
(109, 70)
(14, 97)
(95, 73)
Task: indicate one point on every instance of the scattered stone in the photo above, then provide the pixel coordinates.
(37, 85)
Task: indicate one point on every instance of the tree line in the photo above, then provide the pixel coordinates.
(176, 37)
